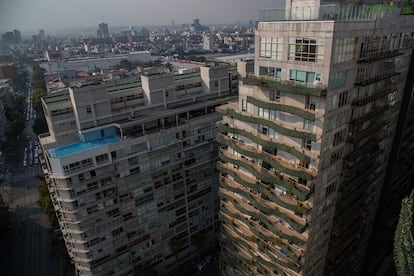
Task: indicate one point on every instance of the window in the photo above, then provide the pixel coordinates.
(274, 95)
(338, 79)
(244, 105)
(307, 144)
(310, 104)
(344, 49)
(308, 125)
(330, 189)
(306, 49)
(343, 99)
(272, 72)
(88, 109)
(310, 78)
(274, 115)
(338, 137)
(102, 158)
(335, 157)
(271, 47)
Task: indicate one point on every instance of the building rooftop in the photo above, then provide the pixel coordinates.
(334, 12)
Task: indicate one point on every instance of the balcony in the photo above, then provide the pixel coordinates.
(267, 207)
(251, 183)
(365, 100)
(256, 246)
(376, 56)
(276, 162)
(373, 129)
(281, 107)
(302, 192)
(292, 132)
(285, 86)
(377, 78)
(376, 113)
(271, 223)
(266, 141)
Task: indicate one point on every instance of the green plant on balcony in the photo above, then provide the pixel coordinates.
(262, 156)
(267, 190)
(270, 144)
(280, 129)
(302, 195)
(293, 88)
(281, 107)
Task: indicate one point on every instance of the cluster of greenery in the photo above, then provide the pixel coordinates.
(407, 7)
(45, 202)
(403, 240)
(21, 79)
(15, 122)
(39, 91)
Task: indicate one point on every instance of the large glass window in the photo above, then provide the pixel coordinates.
(270, 72)
(306, 49)
(309, 78)
(344, 49)
(338, 79)
(271, 47)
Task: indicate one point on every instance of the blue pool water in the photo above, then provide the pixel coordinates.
(81, 146)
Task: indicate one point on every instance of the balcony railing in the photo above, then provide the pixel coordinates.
(266, 141)
(374, 97)
(295, 222)
(277, 163)
(376, 113)
(371, 57)
(377, 78)
(281, 107)
(249, 182)
(277, 232)
(330, 12)
(292, 132)
(286, 86)
(369, 131)
(302, 193)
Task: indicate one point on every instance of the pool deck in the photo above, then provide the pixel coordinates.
(78, 147)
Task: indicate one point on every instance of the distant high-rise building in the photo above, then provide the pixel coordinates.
(131, 169)
(17, 36)
(103, 31)
(42, 35)
(8, 38)
(305, 151)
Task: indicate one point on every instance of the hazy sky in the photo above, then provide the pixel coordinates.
(28, 15)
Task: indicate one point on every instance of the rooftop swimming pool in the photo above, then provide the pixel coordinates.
(78, 147)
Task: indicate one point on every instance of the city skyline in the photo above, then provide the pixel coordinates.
(52, 16)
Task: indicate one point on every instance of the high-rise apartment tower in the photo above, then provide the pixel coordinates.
(132, 168)
(304, 151)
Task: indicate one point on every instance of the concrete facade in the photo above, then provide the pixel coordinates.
(131, 169)
(304, 152)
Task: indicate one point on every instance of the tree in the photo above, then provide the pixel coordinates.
(403, 240)
(199, 241)
(40, 125)
(45, 202)
(125, 64)
(176, 245)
